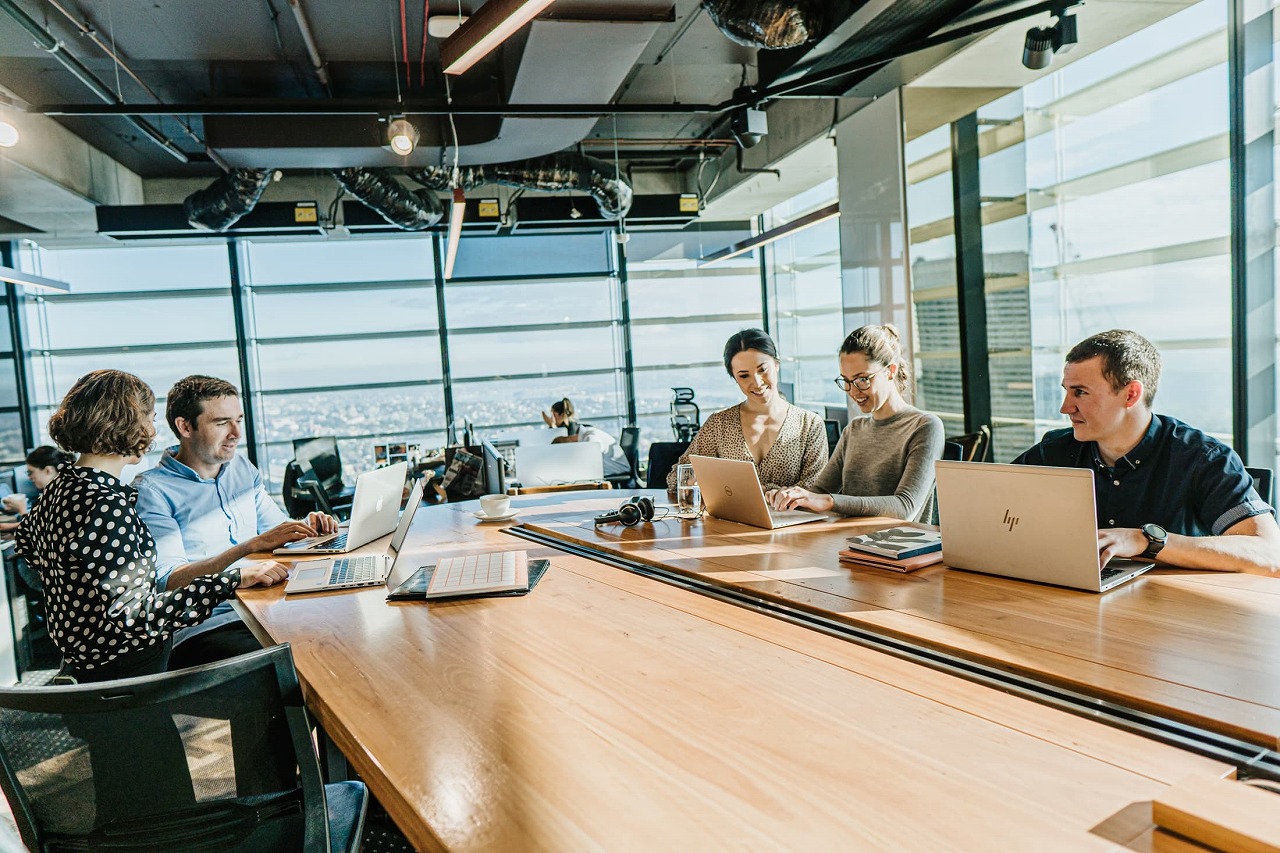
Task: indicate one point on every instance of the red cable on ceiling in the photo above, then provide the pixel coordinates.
(404, 46)
(422, 62)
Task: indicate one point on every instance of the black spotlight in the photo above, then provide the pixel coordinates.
(1042, 43)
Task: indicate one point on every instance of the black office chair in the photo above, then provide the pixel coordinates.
(952, 451)
(298, 499)
(663, 456)
(629, 442)
(1262, 483)
(321, 462)
(147, 763)
(975, 445)
(686, 417)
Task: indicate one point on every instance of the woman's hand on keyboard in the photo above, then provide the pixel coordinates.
(281, 534)
(266, 573)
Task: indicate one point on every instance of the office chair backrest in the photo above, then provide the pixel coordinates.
(663, 456)
(686, 417)
(1262, 483)
(629, 441)
(320, 459)
(975, 445)
(952, 451)
(217, 755)
(298, 499)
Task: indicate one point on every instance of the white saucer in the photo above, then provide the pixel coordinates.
(480, 515)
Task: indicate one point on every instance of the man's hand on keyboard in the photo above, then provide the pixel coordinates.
(281, 534)
(266, 573)
(323, 524)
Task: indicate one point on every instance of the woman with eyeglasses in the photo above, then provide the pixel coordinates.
(883, 464)
(787, 444)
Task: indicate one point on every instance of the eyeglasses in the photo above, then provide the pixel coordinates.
(862, 383)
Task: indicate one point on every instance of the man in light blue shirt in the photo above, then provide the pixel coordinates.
(206, 508)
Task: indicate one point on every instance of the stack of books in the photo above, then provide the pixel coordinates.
(899, 549)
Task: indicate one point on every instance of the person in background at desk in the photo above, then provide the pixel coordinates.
(787, 444)
(1163, 490)
(562, 415)
(206, 506)
(882, 465)
(106, 614)
(42, 467)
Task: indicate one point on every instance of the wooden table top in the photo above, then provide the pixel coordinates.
(1198, 646)
(611, 711)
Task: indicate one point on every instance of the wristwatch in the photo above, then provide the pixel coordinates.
(1156, 538)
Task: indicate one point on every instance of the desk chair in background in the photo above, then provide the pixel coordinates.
(663, 456)
(320, 461)
(1262, 483)
(686, 417)
(147, 763)
(629, 441)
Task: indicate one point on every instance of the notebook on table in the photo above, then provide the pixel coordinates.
(731, 490)
(1028, 522)
(352, 572)
(418, 586)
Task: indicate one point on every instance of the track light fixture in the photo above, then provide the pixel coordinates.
(8, 135)
(402, 137)
(1042, 43)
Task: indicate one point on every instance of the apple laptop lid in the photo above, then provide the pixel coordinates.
(731, 490)
(374, 511)
(1028, 522)
(553, 464)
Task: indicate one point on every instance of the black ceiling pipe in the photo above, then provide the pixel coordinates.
(221, 204)
(378, 190)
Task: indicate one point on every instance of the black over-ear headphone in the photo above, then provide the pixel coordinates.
(633, 511)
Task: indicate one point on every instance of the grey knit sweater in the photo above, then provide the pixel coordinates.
(885, 467)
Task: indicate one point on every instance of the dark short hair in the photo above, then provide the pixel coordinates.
(106, 412)
(186, 398)
(748, 339)
(1126, 356)
(46, 456)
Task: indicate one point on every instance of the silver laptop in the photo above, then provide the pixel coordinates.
(348, 572)
(1025, 521)
(373, 514)
(731, 490)
(552, 464)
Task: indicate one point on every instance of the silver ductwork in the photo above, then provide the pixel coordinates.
(221, 204)
(390, 199)
(771, 24)
(560, 172)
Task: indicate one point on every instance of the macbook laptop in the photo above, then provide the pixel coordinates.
(731, 490)
(552, 464)
(348, 572)
(373, 514)
(1025, 521)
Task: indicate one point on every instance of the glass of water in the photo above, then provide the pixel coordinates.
(688, 496)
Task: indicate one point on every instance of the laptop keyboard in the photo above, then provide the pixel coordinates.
(336, 543)
(355, 570)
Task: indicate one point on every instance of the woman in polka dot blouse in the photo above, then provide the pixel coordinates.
(95, 556)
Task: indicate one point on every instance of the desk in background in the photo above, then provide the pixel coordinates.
(607, 710)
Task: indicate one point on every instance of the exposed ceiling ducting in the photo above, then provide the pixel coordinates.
(561, 172)
(770, 24)
(218, 206)
(381, 192)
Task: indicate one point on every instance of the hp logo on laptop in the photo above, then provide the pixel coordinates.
(728, 491)
(1010, 520)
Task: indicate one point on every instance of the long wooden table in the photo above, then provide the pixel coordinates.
(1199, 647)
(611, 711)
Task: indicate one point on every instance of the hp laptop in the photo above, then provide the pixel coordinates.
(373, 514)
(731, 490)
(551, 464)
(1025, 521)
(347, 572)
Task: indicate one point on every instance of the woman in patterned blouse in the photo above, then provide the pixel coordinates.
(787, 444)
(95, 556)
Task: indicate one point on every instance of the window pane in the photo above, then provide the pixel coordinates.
(355, 311)
(309, 365)
(65, 323)
(407, 258)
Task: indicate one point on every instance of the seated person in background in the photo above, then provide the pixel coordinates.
(882, 465)
(42, 467)
(787, 444)
(206, 505)
(1163, 489)
(562, 415)
(107, 614)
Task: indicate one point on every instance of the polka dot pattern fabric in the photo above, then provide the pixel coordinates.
(98, 562)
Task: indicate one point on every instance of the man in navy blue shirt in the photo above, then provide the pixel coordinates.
(1163, 489)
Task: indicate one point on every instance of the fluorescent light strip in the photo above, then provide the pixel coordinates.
(493, 24)
(28, 280)
(457, 212)
(795, 227)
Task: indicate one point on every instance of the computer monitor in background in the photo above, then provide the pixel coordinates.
(833, 434)
(23, 484)
(788, 391)
(319, 458)
(495, 469)
(839, 414)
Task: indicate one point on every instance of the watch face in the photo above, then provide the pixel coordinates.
(1155, 532)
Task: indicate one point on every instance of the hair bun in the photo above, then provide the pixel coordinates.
(891, 329)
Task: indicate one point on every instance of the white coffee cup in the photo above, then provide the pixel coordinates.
(495, 504)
